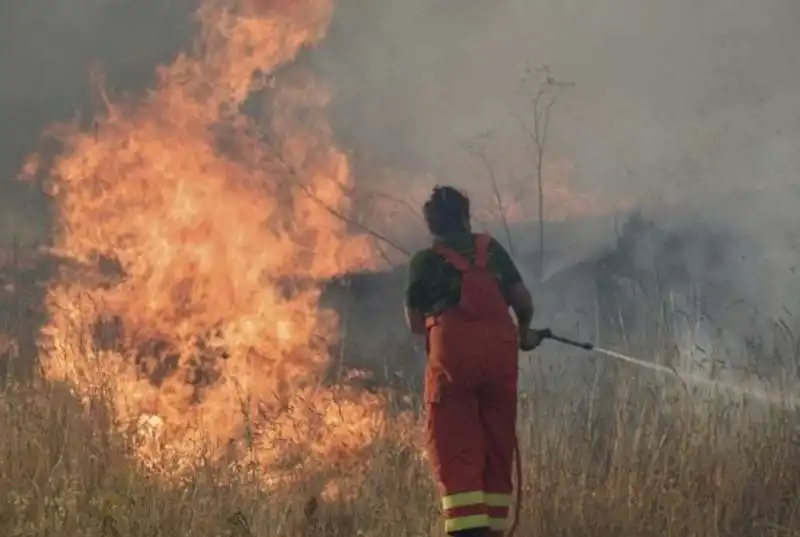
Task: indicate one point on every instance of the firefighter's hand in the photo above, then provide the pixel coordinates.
(531, 338)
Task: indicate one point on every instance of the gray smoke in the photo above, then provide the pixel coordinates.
(46, 52)
(668, 96)
(688, 109)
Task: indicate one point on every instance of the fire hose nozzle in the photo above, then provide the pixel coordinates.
(546, 333)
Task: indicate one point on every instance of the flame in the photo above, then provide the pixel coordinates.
(202, 223)
(562, 200)
(518, 199)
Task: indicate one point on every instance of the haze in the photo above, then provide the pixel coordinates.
(679, 100)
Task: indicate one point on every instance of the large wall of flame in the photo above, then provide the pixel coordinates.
(200, 225)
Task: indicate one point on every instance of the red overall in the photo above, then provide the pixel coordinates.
(471, 395)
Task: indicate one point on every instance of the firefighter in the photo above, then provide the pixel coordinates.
(458, 296)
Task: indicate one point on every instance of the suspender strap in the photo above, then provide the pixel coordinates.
(462, 263)
(458, 261)
(482, 250)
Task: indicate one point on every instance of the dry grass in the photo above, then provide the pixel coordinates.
(633, 472)
(636, 460)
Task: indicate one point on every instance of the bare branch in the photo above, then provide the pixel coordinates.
(353, 222)
(373, 194)
(542, 102)
(401, 202)
(479, 151)
(291, 172)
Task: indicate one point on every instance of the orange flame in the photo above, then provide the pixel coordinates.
(201, 220)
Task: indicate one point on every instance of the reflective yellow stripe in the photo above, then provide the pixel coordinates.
(462, 499)
(497, 500)
(466, 523)
(498, 524)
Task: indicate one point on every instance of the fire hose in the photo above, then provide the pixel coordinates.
(539, 336)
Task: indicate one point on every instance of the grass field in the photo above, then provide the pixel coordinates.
(210, 211)
(649, 461)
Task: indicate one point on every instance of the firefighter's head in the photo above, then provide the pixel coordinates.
(447, 211)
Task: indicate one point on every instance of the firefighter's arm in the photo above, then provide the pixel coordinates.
(523, 308)
(414, 316)
(522, 304)
(517, 293)
(415, 321)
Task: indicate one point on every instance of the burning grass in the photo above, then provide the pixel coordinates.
(636, 461)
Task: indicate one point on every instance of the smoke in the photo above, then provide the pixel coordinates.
(46, 53)
(686, 109)
(668, 97)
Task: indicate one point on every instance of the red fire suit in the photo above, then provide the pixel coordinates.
(471, 396)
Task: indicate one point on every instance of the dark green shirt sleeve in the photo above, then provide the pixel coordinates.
(414, 293)
(503, 266)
